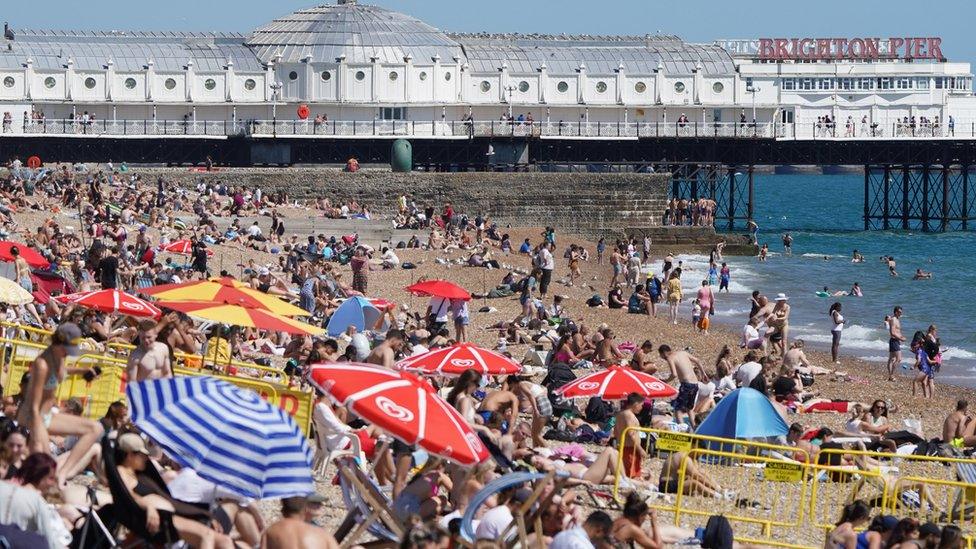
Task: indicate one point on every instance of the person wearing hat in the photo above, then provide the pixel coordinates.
(133, 461)
(47, 371)
(778, 322)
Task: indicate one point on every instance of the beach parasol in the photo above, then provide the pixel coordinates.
(183, 247)
(228, 435)
(355, 311)
(402, 405)
(112, 301)
(224, 290)
(30, 255)
(439, 288)
(454, 360)
(12, 293)
(245, 317)
(615, 383)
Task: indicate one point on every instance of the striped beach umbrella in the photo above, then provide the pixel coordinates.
(228, 435)
(454, 360)
(245, 317)
(615, 383)
(112, 301)
(223, 290)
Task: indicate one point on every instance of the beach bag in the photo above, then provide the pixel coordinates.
(718, 533)
(806, 379)
(598, 410)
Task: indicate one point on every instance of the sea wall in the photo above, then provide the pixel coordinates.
(590, 205)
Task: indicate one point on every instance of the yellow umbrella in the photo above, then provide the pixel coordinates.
(12, 293)
(246, 317)
(224, 290)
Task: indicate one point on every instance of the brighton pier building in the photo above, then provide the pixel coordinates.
(349, 69)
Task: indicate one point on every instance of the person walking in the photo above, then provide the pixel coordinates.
(674, 296)
(547, 263)
(895, 339)
(706, 299)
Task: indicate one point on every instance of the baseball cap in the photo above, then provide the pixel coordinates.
(68, 335)
(889, 522)
(522, 495)
(264, 271)
(131, 442)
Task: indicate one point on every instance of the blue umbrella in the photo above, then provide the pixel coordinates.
(356, 311)
(743, 413)
(228, 435)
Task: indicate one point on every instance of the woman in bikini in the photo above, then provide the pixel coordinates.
(46, 374)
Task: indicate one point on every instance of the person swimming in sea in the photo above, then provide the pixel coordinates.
(856, 291)
(827, 293)
(891, 266)
(857, 257)
(922, 275)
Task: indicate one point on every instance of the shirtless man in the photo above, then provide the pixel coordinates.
(795, 360)
(150, 359)
(891, 266)
(617, 260)
(503, 402)
(634, 453)
(687, 369)
(606, 350)
(384, 354)
(957, 430)
(895, 338)
(292, 532)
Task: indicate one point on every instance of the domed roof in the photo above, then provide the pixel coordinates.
(360, 32)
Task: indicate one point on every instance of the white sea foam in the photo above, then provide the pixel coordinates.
(955, 352)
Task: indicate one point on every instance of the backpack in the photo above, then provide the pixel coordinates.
(718, 533)
(521, 285)
(598, 411)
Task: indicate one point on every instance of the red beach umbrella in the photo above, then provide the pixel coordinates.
(30, 255)
(183, 247)
(453, 360)
(112, 301)
(615, 383)
(402, 405)
(439, 288)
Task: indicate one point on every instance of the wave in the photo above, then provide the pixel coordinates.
(955, 352)
(821, 256)
(734, 311)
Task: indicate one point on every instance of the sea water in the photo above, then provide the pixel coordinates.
(824, 214)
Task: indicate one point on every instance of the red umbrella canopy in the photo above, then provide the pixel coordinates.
(30, 255)
(402, 405)
(112, 301)
(454, 360)
(439, 288)
(183, 247)
(615, 383)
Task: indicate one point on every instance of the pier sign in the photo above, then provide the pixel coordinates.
(849, 48)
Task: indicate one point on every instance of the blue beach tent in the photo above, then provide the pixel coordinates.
(356, 311)
(743, 413)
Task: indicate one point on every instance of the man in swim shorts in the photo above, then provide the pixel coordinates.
(687, 369)
(895, 338)
(633, 453)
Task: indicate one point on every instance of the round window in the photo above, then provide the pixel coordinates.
(485, 85)
(90, 83)
(250, 84)
(447, 76)
(523, 86)
(293, 75)
(360, 75)
(130, 83)
(9, 81)
(718, 87)
(393, 76)
(210, 84)
(423, 75)
(601, 87)
(640, 87)
(563, 87)
(679, 87)
(50, 82)
(170, 84)
(326, 76)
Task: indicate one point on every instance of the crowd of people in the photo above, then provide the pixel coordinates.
(51, 452)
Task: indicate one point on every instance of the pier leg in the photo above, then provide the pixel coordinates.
(945, 198)
(885, 211)
(925, 197)
(867, 197)
(732, 198)
(964, 213)
(905, 183)
(752, 195)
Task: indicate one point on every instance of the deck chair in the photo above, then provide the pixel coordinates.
(368, 507)
(964, 503)
(529, 513)
(326, 452)
(125, 509)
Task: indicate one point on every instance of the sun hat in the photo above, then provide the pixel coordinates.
(781, 297)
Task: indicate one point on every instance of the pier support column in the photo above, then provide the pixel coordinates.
(929, 198)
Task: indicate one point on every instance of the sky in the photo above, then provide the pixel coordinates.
(693, 20)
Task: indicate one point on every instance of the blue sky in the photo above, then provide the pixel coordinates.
(693, 20)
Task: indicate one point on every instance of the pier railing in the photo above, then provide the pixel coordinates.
(461, 129)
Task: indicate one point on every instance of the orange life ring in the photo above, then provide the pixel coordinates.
(34, 162)
(303, 111)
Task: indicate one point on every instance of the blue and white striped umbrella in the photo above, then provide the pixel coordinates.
(228, 435)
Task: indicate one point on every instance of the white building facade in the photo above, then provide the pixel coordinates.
(352, 68)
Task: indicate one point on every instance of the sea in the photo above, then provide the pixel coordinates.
(824, 214)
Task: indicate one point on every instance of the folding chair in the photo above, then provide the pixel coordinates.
(529, 513)
(326, 452)
(368, 507)
(964, 503)
(125, 509)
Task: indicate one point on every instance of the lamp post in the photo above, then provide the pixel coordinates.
(754, 90)
(510, 89)
(275, 90)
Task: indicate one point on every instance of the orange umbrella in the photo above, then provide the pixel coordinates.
(224, 290)
(237, 315)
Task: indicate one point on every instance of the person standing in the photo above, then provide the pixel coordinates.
(198, 254)
(895, 339)
(787, 244)
(601, 246)
(674, 297)
(707, 301)
(617, 264)
(108, 267)
(360, 271)
(459, 311)
(22, 269)
(647, 247)
(836, 329)
(724, 277)
(547, 263)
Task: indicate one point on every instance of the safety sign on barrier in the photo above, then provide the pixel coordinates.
(673, 442)
(776, 471)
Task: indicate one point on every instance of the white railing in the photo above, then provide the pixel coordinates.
(458, 129)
